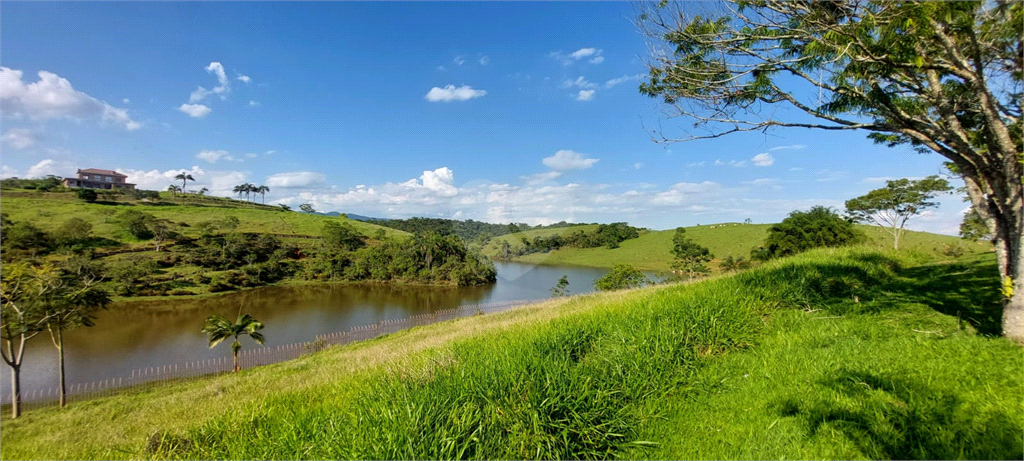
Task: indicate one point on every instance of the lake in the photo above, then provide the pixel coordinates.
(136, 335)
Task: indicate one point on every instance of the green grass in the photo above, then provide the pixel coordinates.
(652, 250)
(49, 210)
(846, 353)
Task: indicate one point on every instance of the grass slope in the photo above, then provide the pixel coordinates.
(652, 250)
(49, 210)
(832, 354)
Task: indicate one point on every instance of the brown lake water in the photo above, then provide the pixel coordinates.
(137, 335)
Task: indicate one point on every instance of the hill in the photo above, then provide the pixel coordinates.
(834, 354)
(652, 250)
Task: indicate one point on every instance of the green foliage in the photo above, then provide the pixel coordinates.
(729, 264)
(469, 230)
(341, 236)
(127, 273)
(620, 277)
(561, 288)
(973, 228)
(218, 329)
(49, 183)
(307, 208)
(26, 236)
(690, 258)
(136, 223)
(606, 235)
(801, 231)
(88, 195)
(73, 231)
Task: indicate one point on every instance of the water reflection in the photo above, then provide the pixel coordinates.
(134, 335)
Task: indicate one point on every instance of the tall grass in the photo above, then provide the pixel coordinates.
(577, 387)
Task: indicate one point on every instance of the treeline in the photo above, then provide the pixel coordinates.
(606, 235)
(426, 257)
(468, 230)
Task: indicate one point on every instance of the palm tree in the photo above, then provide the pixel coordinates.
(262, 190)
(239, 189)
(203, 191)
(173, 189)
(218, 329)
(183, 176)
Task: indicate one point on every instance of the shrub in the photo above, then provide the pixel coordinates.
(135, 222)
(801, 231)
(954, 250)
(88, 195)
(620, 277)
(73, 231)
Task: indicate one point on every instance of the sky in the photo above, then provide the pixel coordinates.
(500, 112)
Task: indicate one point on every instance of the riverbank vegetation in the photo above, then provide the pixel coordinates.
(834, 353)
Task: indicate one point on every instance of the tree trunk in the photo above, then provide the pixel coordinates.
(235, 355)
(1011, 275)
(15, 390)
(60, 355)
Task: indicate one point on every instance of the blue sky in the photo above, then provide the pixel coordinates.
(525, 112)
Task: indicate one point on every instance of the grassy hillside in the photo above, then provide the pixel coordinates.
(831, 354)
(652, 250)
(48, 210)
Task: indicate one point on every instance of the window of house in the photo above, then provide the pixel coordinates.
(85, 177)
(108, 178)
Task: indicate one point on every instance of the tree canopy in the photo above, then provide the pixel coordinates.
(803, 230)
(891, 206)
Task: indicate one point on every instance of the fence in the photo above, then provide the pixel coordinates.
(248, 358)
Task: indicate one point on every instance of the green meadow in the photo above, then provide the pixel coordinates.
(850, 353)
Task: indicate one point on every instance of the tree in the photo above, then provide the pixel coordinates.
(306, 207)
(218, 329)
(88, 195)
(239, 189)
(801, 231)
(73, 231)
(203, 191)
(73, 304)
(891, 206)
(973, 227)
(943, 77)
(262, 190)
(730, 264)
(22, 289)
(284, 207)
(620, 277)
(184, 177)
(691, 258)
(173, 189)
(562, 288)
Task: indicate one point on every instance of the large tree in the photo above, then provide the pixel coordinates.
(22, 315)
(73, 304)
(942, 77)
(890, 207)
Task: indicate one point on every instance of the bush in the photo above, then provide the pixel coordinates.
(135, 222)
(88, 195)
(620, 277)
(801, 231)
(954, 250)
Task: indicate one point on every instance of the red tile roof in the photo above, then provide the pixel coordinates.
(106, 172)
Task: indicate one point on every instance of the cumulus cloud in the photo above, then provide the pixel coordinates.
(8, 172)
(539, 178)
(244, 78)
(569, 160)
(296, 179)
(221, 90)
(763, 159)
(213, 156)
(50, 167)
(219, 183)
(585, 95)
(53, 97)
(620, 80)
(19, 138)
(592, 55)
(450, 93)
(195, 110)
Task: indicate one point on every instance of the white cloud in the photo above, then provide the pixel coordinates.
(195, 110)
(579, 82)
(244, 78)
(485, 60)
(540, 178)
(126, 100)
(8, 172)
(221, 90)
(254, 103)
(620, 80)
(213, 156)
(763, 159)
(296, 179)
(219, 183)
(638, 165)
(569, 160)
(790, 147)
(19, 138)
(251, 155)
(567, 59)
(796, 168)
(450, 93)
(697, 164)
(440, 181)
(53, 97)
(49, 167)
(585, 95)
(459, 60)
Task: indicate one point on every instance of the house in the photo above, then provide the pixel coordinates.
(91, 178)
